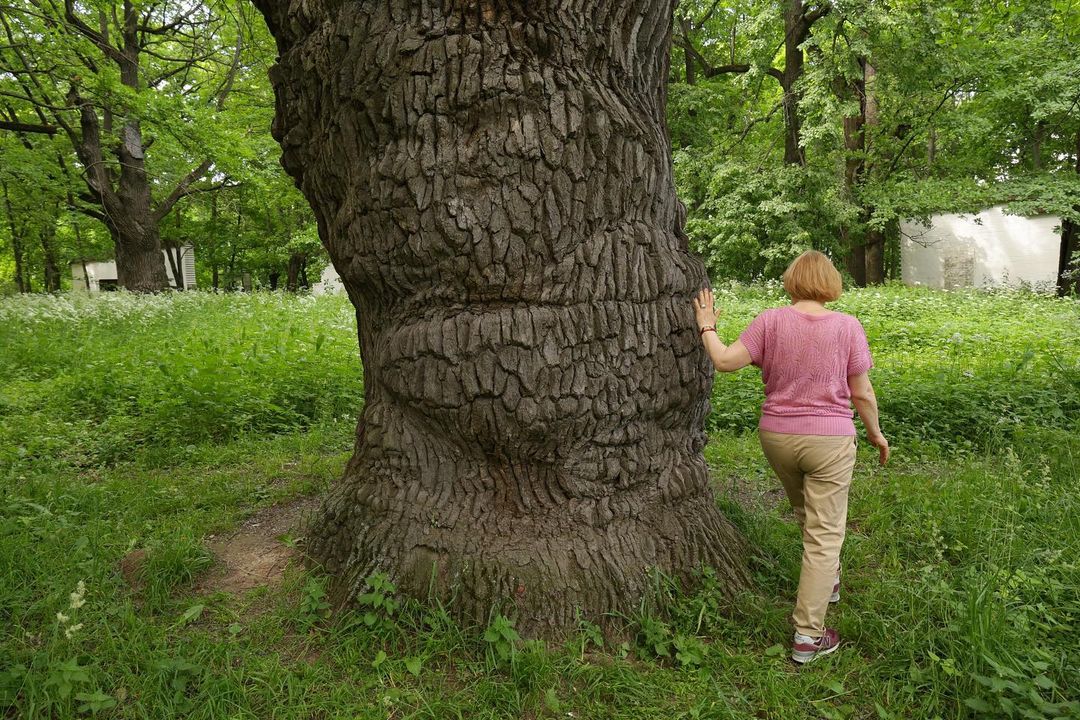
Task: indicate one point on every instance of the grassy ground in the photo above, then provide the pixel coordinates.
(154, 424)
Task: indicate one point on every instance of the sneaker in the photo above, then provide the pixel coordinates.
(835, 597)
(805, 648)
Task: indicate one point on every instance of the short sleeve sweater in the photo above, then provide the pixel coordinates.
(805, 361)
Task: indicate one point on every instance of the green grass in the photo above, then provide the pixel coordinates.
(153, 423)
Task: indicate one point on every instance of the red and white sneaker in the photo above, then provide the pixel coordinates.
(835, 597)
(805, 648)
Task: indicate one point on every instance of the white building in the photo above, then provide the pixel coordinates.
(100, 276)
(984, 250)
(329, 282)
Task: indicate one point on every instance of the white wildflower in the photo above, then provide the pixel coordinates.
(77, 600)
(72, 630)
(62, 617)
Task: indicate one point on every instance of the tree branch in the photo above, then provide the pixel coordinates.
(91, 34)
(226, 87)
(24, 127)
(911, 136)
(713, 71)
(812, 17)
(181, 190)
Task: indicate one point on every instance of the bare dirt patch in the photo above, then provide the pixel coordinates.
(752, 496)
(254, 554)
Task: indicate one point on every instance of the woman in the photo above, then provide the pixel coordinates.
(814, 363)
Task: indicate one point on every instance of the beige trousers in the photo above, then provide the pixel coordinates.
(816, 473)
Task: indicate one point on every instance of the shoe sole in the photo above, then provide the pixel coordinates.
(803, 659)
(834, 598)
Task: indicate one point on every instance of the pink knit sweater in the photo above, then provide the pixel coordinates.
(805, 361)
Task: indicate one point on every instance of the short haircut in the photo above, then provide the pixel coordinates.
(811, 276)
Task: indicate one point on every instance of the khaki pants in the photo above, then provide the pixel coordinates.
(816, 473)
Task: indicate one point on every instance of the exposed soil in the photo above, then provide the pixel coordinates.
(130, 566)
(254, 554)
(751, 495)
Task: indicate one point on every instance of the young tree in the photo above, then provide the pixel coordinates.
(493, 183)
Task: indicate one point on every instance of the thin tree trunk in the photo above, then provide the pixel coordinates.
(292, 275)
(854, 167)
(1068, 275)
(214, 276)
(794, 34)
(875, 238)
(48, 253)
(875, 256)
(21, 283)
(535, 388)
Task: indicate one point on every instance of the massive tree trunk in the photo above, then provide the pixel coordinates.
(493, 182)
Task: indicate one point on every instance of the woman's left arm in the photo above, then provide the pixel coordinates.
(725, 358)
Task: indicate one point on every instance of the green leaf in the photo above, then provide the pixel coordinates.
(191, 613)
(1044, 682)
(551, 700)
(95, 702)
(413, 665)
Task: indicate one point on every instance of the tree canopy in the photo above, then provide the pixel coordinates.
(794, 124)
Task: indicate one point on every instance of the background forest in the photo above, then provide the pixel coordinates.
(791, 126)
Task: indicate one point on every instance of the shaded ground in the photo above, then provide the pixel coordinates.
(259, 550)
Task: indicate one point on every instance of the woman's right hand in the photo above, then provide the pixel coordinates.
(705, 309)
(878, 440)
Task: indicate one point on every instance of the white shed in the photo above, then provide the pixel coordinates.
(100, 276)
(329, 282)
(984, 250)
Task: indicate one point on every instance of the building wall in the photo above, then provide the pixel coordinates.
(105, 270)
(329, 283)
(985, 250)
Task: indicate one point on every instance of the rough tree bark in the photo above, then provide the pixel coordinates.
(493, 182)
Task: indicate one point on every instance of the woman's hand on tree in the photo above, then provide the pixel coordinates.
(704, 309)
